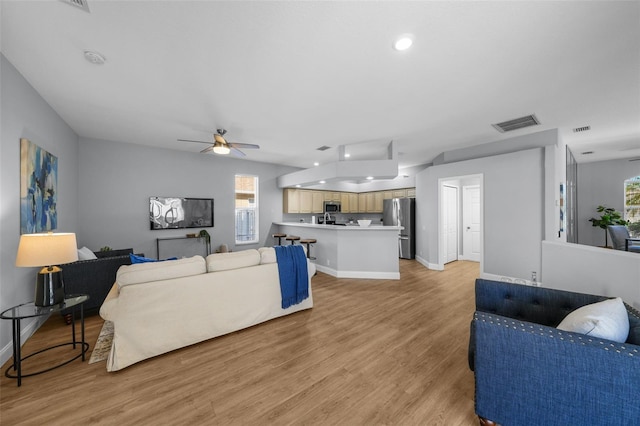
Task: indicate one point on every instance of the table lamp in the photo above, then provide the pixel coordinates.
(47, 250)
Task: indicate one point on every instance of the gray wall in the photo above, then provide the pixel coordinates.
(513, 199)
(601, 183)
(117, 180)
(104, 189)
(26, 115)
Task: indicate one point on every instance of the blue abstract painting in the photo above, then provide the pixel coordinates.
(38, 189)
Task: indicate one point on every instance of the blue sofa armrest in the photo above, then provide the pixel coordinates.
(527, 374)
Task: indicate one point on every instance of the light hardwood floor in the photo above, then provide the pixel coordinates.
(370, 352)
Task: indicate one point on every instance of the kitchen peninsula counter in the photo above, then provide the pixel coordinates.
(350, 251)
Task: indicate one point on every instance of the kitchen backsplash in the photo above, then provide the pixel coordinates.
(376, 218)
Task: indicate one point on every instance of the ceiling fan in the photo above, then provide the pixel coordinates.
(221, 146)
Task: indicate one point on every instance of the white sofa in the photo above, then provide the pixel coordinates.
(162, 306)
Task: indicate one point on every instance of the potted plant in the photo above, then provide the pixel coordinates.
(204, 234)
(608, 216)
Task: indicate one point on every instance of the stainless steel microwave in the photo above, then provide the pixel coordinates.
(332, 206)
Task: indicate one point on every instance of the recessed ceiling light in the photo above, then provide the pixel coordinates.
(322, 181)
(94, 57)
(369, 177)
(403, 42)
(347, 155)
(298, 186)
(316, 164)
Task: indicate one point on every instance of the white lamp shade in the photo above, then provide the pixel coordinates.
(47, 249)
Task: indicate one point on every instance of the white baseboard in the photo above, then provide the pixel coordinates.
(27, 331)
(370, 275)
(422, 261)
(326, 270)
(470, 258)
(359, 274)
(429, 265)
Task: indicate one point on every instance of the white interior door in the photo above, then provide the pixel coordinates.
(450, 222)
(471, 222)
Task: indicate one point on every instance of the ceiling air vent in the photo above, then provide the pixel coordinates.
(517, 123)
(581, 129)
(323, 148)
(80, 4)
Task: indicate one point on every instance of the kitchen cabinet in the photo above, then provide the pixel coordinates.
(317, 202)
(306, 201)
(370, 202)
(378, 198)
(331, 196)
(369, 196)
(303, 201)
(344, 202)
(362, 202)
(353, 202)
(312, 201)
(291, 201)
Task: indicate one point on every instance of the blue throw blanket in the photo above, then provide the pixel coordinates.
(294, 277)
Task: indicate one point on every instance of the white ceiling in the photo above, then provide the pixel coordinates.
(294, 76)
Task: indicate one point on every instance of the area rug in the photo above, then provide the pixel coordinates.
(103, 345)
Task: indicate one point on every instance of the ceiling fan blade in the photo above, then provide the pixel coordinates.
(207, 149)
(236, 152)
(188, 140)
(244, 145)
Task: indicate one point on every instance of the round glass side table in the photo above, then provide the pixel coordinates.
(29, 310)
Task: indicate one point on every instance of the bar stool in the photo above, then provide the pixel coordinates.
(279, 237)
(308, 242)
(292, 238)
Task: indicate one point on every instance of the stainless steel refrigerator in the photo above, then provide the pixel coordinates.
(402, 212)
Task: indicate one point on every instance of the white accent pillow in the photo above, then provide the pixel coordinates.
(607, 320)
(86, 254)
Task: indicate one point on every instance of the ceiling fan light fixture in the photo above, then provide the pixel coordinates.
(220, 148)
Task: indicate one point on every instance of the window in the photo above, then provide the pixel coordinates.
(246, 209)
(632, 205)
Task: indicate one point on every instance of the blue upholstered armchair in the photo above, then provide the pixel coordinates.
(527, 372)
